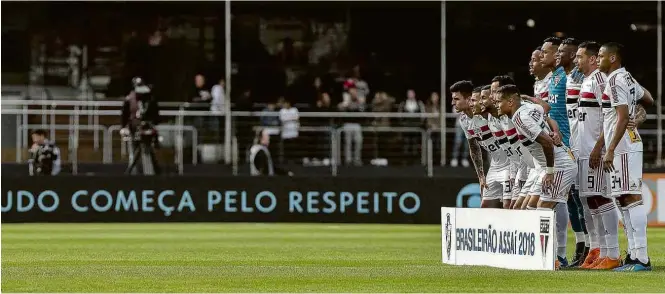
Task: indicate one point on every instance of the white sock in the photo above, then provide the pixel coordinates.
(579, 237)
(629, 232)
(590, 228)
(594, 236)
(561, 216)
(638, 223)
(611, 223)
(600, 229)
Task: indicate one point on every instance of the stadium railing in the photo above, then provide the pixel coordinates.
(99, 116)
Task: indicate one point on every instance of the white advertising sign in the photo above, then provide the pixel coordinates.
(512, 239)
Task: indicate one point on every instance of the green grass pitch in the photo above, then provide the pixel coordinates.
(273, 258)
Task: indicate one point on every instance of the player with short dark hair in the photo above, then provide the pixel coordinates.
(601, 211)
(565, 58)
(623, 156)
(479, 134)
(520, 171)
(554, 164)
(556, 89)
(505, 135)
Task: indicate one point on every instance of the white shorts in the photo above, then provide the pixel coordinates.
(522, 172)
(517, 189)
(592, 182)
(626, 179)
(576, 154)
(534, 179)
(558, 192)
(498, 185)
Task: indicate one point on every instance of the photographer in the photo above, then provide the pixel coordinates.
(140, 116)
(260, 160)
(44, 156)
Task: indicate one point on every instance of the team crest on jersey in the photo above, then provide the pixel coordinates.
(557, 79)
(536, 115)
(545, 224)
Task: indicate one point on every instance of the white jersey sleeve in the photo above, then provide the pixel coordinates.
(531, 122)
(622, 89)
(465, 124)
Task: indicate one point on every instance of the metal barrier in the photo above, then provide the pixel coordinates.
(72, 143)
(424, 141)
(179, 159)
(91, 109)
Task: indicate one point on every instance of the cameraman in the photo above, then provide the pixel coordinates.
(44, 156)
(140, 116)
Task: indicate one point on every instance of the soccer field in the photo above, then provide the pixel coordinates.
(273, 258)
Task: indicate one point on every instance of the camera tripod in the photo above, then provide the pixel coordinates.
(145, 152)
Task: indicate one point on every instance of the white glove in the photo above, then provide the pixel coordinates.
(124, 132)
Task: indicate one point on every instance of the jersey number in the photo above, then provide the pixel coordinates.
(616, 181)
(591, 182)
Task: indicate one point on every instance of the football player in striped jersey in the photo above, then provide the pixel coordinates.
(602, 218)
(555, 164)
(623, 152)
(478, 133)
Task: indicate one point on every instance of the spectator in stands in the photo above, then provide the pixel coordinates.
(202, 97)
(323, 104)
(290, 119)
(318, 87)
(357, 81)
(201, 93)
(434, 123)
(352, 103)
(269, 117)
(381, 103)
(218, 97)
(411, 139)
(244, 124)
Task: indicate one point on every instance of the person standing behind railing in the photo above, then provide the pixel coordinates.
(411, 139)
(381, 103)
(352, 128)
(323, 104)
(459, 144)
(433, 124)
(217, 105)
(290, 119)
(201, 95)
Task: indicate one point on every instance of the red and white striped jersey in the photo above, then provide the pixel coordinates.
(530, 122)
(477, 127)
(541, 87)
(515, 143)
(590, 116)
(621, 89)
(573, 84)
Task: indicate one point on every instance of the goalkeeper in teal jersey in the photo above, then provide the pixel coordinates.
(552, 58)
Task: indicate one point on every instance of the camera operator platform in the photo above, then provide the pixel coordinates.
(44, 156)
(140, 116)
